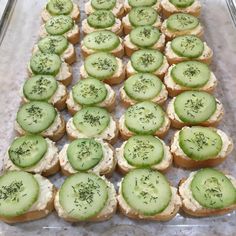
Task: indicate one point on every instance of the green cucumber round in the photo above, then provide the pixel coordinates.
(101, 19)
(145, 36)
(143, 151)
(200, 143)
(142, 3)
(147, 60)
(40, 88)
(83, 195)
(45, 64)
(103, 4)
(59, 7)
(144, 118)
(101, 41)
(18, 192)
(91, 121)
(27, 151)
(212, 189)
(100, 65)
(36, 117)
(191, 74)
(140, 16)
(146, 191)
(143, 87)
(194, 107)
(182, 3)
(59, 25)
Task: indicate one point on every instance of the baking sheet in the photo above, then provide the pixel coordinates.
(15, 51)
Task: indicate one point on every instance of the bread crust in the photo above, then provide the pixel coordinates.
(59, 133)
(205, 211)
(71, 58)
(33, 215)
(52, 170)
(74, 38)
(67, 80)
(61, 104)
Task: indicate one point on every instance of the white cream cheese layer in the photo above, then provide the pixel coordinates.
(160, 98)
(164, 164)
(170, 83)
(49, 160)
(105, 103)
(227, 145)
(89, 29)
(107, 134)
(215, 117)
(105, 165)
(156, 6)
(106, 211)
(187, 196)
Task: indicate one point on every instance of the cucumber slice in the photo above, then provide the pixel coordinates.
(141, 16)
(83, 195)
(59, 7)
(194, 107)
(102, 41)
(143, 151)
(83, 154)
(142, 3)
(146, 191)
(144, 118)
(55, 44)
(35, 117)
(91, 121)
(89, 92)
(147, 60)
(182, 3)
(200, 143)
(59, 25)
(18, 192)
(103, 4)
(45, 64)
(191, 74)
(182, 22)
(101, 19)
(40, 88)
(28, 150)
(145, 36)
(143, 87)
(212, 189)
(189, 46)
(100, 65)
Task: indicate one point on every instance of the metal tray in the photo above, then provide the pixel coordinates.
(17, 40)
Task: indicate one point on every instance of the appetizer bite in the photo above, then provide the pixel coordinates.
(143, 87)
(194, 108)
(115, 6)
(192, 7)
(92, 122)
(141, 16)
(181, 24)
(25, 197)
(144, 118)
(103, 66)
(86, 197)
(190, 75)
(197, 147)
(50, 64)
(45, 88)
(33, 153)
(60, 7)
(144, 37)
(90, 92)
(130, 4)
(102, 41)
(146, 194)
(147, 61)
(188, 47)
(143, 151)
(57, 44)
(208, 192)
(40, 118)
(61, 25)
(87, 154)
(102, 20)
